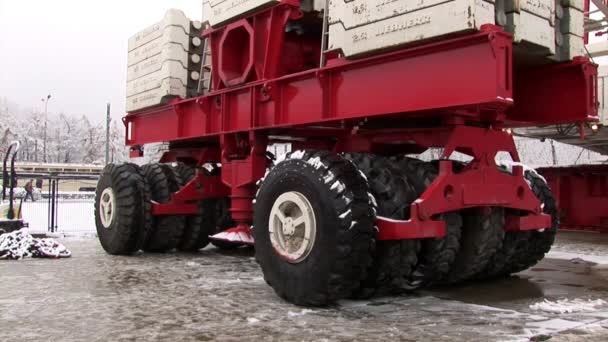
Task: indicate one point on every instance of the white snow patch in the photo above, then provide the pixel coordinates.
(281, 158)
(20, 244)
(252, 320)
(339, 186)
(329, 177)
(352, 225)
(568, 306)
(549, 327)
(347, 200)
(297, 155)
(316, 163)
(344, 214)
(508, 165)
(372, 199)
(597, 259)
(234, 235)
(299, 314)
(388, 219)
(363, 175)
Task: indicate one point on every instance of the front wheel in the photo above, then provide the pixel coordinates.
(314, 228)
(121, 208)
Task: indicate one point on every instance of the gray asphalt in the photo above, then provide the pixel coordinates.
(214, 295)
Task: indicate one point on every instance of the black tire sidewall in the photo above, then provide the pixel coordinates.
(312, 274)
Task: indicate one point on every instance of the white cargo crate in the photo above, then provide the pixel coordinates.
(158, 90)
(578, 4)
(571, 46)
(570, 33)
(173, 28)
(532, 22)
(158, 62)
(573, 21)
(362, 26)
(216, 12)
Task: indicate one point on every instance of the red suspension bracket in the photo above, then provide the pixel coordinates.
(479, 184)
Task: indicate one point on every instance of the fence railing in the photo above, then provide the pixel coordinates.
(61, 204)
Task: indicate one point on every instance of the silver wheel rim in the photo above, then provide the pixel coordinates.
(292, 227)
(107, 207)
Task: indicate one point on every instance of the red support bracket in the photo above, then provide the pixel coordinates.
(414, 228)
(479, 184)
(529, 222)
(183, 202)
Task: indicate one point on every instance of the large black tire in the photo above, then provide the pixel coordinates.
(198, 227)
(344, 216)
(167, 230)
(436, 255)
(393, 261)
(131, 220)
(482, 236)
(531, 247)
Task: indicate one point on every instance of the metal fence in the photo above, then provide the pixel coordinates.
(62, 203)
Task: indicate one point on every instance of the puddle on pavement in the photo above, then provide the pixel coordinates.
(555, 279)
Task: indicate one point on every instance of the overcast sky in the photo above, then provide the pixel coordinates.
(75, 50)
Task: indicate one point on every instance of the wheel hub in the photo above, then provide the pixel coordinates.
(107, 207)
(292, 227)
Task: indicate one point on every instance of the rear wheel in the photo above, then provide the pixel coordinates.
(393, 261)
(167, 230)
(532, 246)
(482, 236)
(436, 255)
(121, 208)
(314, 228)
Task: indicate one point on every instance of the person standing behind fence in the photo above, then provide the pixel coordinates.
(29, 190)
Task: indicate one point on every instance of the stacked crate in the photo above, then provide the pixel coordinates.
(532, 23)
(359, 27)
(543, 30)
(218, 12)
(163, 61)
(570, 31)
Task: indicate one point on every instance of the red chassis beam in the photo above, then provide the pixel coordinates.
(470, 72)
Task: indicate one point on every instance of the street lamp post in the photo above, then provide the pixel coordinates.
(46, 108)
(108, 120)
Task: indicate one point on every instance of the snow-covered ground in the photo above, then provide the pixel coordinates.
(73, 216)
(215, 295)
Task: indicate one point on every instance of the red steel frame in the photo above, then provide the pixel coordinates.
(462, 90)
(581, 193)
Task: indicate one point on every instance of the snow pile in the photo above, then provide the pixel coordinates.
(568, 306)
(299, 314)
(20, 244)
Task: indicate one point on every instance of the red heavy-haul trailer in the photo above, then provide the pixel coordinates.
(347, 213)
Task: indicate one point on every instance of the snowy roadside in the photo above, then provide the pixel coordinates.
(579, 257)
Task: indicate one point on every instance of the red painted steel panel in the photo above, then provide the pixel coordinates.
(582, 195)
(559, 93)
